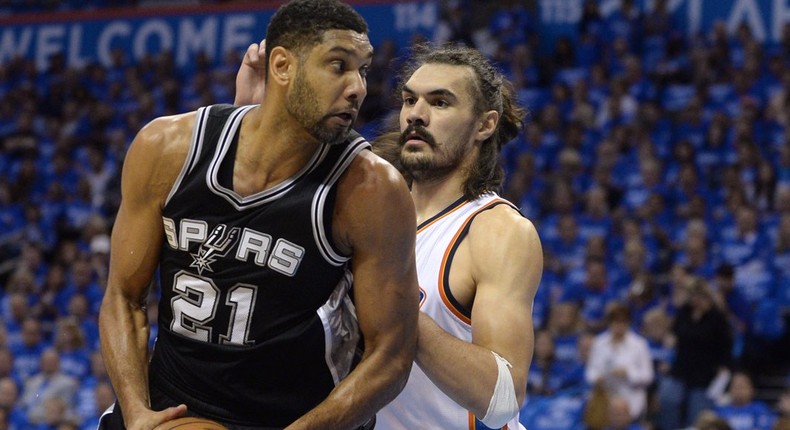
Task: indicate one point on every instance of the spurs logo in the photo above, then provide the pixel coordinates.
(219, 242)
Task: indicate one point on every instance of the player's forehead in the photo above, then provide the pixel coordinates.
(435, 77)
(345, 41)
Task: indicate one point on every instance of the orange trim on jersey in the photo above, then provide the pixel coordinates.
(433, 221)
(473, 423)
(446, 260)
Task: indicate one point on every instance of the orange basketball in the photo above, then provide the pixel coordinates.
(191, 423)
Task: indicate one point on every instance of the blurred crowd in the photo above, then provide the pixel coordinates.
(656, 166)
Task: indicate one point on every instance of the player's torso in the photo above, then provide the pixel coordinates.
(246, 280)
(446, 293)
(272, 249)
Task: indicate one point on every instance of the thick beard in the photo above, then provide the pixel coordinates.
(426, 166)
(302, 104)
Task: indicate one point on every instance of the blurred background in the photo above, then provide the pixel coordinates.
(655, 163)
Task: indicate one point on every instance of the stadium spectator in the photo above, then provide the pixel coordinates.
(741, 410)
(9, 401)
(619, 415)
(69, 342)
(547, 376)
(91, 396)
(27, 353)
(46, 387)
(620, 361)
(704, 346)
(565, 326)
(783, 411)
(592, 294)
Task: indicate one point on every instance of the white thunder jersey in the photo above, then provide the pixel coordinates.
(421, 404)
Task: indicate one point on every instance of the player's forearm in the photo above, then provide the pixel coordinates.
(376, 381)
(465, 372)
(124, 331)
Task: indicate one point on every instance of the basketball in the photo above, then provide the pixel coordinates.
(191, 423)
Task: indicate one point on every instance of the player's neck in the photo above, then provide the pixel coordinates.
(270, 150)
(432, 196)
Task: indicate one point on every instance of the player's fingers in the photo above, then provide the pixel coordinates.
(173, 412)
(262, 47)
(252, 53)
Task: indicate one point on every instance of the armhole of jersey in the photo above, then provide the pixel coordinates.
(446, 294)
(195, 146)
(323, 238)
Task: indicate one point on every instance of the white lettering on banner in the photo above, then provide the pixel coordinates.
(780, 14)
(75, 42)
(238, 32)
(50, 41)
(560, 11)
(694, 14)
(193, 40)
(115, 29)
(154, 28)
(414, 16)
(748, 12)
(11, 46)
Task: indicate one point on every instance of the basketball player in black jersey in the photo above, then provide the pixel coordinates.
(258, 218)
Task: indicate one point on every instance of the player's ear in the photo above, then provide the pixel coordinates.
(281, 65)
(487, 125)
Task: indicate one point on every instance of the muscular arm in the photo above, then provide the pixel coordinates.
(505, 262)
(136, 240)
(378, 223)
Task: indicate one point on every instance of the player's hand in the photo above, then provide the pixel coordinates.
(251, 78)
(149, 420)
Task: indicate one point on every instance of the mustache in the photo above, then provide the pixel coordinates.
(418, 130)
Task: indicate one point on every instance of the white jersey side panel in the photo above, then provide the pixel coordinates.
(421, 404)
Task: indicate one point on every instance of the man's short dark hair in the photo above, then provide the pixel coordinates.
(301, 24)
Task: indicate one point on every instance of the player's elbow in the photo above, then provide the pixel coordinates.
(400, 359)
(403, 363)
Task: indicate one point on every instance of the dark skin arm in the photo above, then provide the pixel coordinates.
(375, 221)
(136, 240)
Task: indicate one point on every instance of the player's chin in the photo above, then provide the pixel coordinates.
(337, 135)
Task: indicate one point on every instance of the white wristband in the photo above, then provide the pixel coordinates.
(503, 406)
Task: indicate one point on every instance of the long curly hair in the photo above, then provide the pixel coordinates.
(492, 91)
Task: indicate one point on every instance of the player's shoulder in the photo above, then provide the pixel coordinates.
(505, 225)
(372, 189)
(369, 173)
(158, 151)
(503, 218)
(165, 132)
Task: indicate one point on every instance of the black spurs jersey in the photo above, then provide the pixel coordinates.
(255, 323)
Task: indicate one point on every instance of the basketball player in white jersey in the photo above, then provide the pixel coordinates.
(479, 261)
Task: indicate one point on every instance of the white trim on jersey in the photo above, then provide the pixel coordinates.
(328, 251)
(237, 201)
(195, 146)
